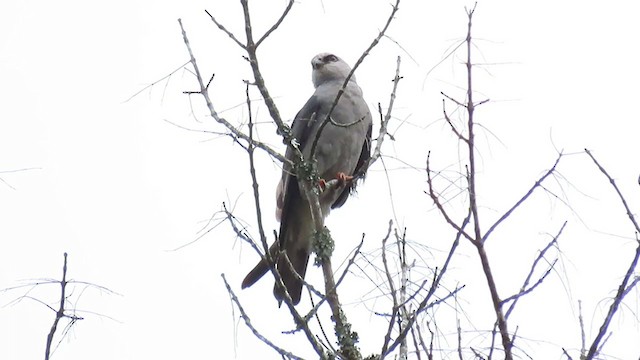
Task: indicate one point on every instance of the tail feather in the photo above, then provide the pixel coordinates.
(296, 229)
(299, 261)
(260, 269)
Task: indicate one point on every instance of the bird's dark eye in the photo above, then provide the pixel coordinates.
(330, 58)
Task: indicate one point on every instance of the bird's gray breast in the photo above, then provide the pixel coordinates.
(341, 140)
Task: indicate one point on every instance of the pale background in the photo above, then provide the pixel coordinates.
(118, 187)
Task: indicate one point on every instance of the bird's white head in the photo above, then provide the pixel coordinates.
(329, 67)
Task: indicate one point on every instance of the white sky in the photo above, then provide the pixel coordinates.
(118, 187)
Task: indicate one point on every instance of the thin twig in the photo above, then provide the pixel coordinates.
(564, 351)
(247, 322)
(384, 123)
(415, 343)
(423, 306)
(453, 128)
(277, 23)
(522, 199)
(322, 297)
(155, 82)
(583, 339)
(254, 182)
(224, 30)
(394, 312)
(436, 200)
(524, 290)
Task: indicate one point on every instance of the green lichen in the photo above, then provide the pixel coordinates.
(322, 246)
(306, 170)
(347, 339)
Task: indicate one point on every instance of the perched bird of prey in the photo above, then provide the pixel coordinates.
(342, 149)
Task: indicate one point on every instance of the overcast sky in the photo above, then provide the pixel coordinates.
(119, 184)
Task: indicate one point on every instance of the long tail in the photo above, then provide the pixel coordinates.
(261, 268)
(295, 236)
(296, 230)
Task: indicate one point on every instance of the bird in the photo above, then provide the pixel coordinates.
(343, 150)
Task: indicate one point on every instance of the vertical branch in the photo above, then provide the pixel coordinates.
(60, 312)
(254, 181)
(459, 329)
(394, 298)
(471, 135)
(478, 241)
(583, 346)
(404, 280)
(251, 48)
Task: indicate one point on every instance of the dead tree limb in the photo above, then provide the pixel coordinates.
(624, 287)
(61, 312)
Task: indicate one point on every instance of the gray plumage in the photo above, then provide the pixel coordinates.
(340, 150)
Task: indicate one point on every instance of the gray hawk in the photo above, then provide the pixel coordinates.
(342, 150)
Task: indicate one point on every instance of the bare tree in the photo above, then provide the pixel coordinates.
(70, 293)
(413, 324)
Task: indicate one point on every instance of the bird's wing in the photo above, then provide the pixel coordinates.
(289, 201)
(301, 128)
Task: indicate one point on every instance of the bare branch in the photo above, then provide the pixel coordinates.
(60, 313)
(205, 93)
(384, 123)
(424, 304)
(617, 190)
(564, 351)
(298, 319)
(423, 344)
(315, 308)
(224, 30)
(453, 128)
(156, 82)
(622, 289)
(415, 343)
(247, 322)
(453, 100)
(254, 182)
(524, 290)
(583, 341)
(275, 26)
(522, 199)
(436, 200)
(259, 80)
(473, 204)
(394, 311)
(459, 339)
